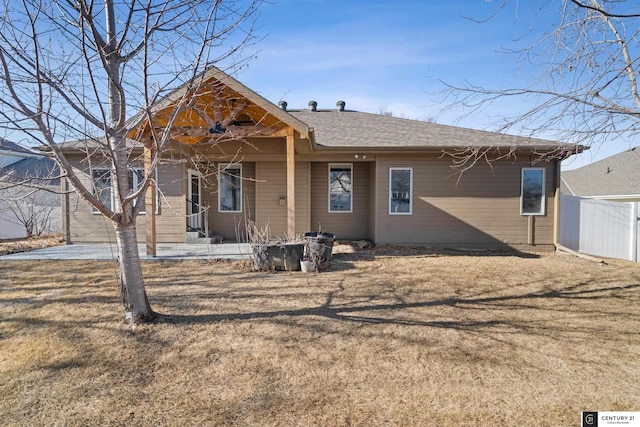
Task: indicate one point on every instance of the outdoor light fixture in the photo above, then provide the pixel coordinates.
(218, 129)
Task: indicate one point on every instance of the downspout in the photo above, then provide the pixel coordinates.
(66, 216)
(556, 206)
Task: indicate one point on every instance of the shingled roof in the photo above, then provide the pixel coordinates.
(38, 170)
(618, 175)
(334, 128)
(12, 147)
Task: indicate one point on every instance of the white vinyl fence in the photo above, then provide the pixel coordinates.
(600, 228)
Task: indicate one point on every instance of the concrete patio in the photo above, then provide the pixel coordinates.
(165, 251)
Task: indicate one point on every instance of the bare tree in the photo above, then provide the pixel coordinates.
(31, 199)
(73, 70)
(587, 90)
(34, 210)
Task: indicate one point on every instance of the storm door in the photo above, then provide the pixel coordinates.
(194, 202)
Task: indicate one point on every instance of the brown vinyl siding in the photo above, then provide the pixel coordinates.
(87, 226)
(231, 225)
(344, 225)
(480, 209)
(271, 186)
(372, 202)
(303, 200)
(171, 217)
(232, 149)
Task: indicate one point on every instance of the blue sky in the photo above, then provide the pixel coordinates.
(391, 56)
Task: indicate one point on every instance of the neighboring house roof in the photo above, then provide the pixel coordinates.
(615, 176)
(335, 128)
(11, 147)
(10, 152)
(37, 170)
(89, 145)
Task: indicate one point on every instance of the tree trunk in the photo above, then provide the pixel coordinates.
(134, 296)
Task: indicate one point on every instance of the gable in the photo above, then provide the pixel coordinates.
(215, 107)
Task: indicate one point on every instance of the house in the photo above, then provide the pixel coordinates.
(614, 178)
(235, 157)
(29, 199)
(10, 153)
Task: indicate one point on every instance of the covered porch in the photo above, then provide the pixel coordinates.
(240, 138)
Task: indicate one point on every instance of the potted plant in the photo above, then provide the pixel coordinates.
(280, 253)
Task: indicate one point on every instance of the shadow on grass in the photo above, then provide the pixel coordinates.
(427, 251)
(351, 313)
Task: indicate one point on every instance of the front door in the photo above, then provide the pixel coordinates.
(194, 207)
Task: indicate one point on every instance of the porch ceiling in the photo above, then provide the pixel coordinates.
(215, 108)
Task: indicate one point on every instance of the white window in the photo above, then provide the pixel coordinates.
(340, 187)
(230, 188)
(400, 191)
(102, 179)
(532, 195)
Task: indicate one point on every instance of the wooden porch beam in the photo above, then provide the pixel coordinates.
(291, 184)
(204, 116)
(234, 114)
(217, 110)
(230, 131)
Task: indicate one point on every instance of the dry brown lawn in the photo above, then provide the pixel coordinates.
(12, 246)
(380, 339)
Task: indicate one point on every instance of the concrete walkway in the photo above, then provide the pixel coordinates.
(165, 251)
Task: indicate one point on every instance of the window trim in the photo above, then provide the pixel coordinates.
(112, 189)
(350, 165)
(543, 204)
(136, 184)
(391, 170)
(221, 168)
(94, 188)
(157, 192)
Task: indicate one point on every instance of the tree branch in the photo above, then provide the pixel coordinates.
(603, 12)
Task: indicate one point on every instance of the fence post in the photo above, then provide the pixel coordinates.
(635, 239)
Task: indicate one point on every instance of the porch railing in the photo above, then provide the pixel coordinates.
(198, 220)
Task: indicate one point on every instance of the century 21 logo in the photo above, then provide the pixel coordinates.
(590, 419)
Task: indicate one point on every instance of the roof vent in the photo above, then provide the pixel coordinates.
(340, 105)
(313, 106)
(283, 105)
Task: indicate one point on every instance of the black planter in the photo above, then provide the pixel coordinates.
(278, 256)
(320, 245)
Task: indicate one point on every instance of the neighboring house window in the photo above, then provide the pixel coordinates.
(532, 195)
(230, 188)
(400, 191)
(104, 185)
(340, 187)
